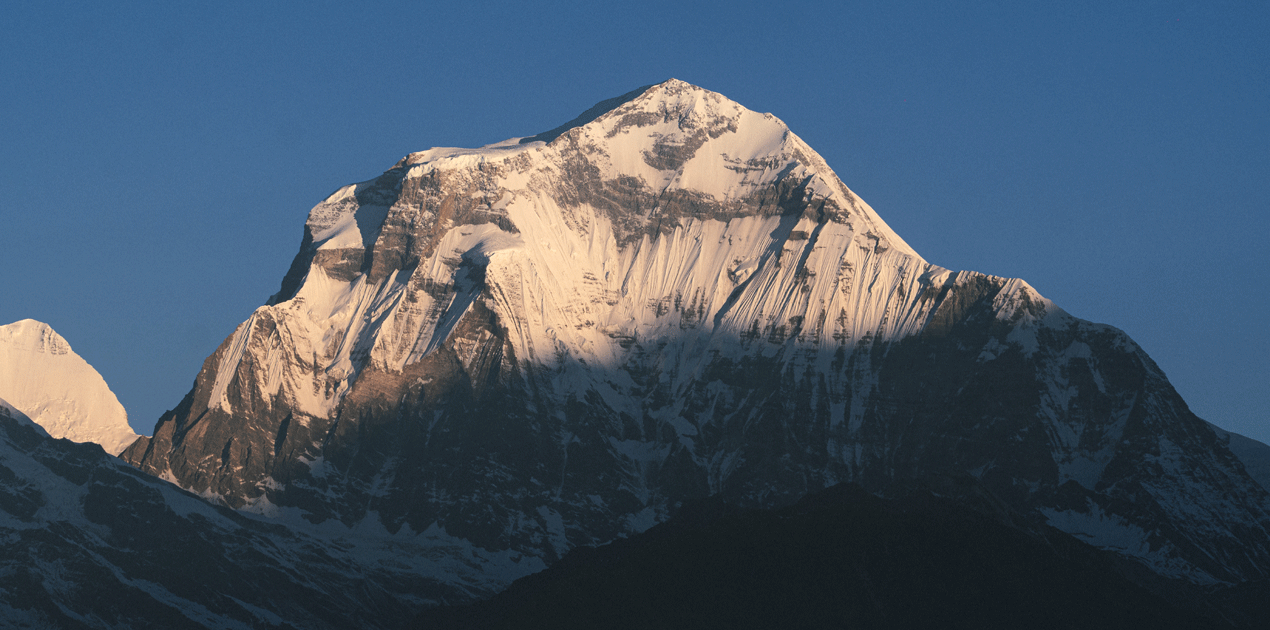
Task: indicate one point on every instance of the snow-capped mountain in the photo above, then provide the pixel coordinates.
(44, 379)
(556, 340)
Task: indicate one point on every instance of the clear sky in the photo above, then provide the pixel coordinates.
(157, 160)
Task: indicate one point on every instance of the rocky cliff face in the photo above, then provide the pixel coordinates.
(554, 341)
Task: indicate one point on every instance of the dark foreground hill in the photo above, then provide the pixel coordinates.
(843, 558)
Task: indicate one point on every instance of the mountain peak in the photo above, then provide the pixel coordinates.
(674, 94)
(43, 379)
(647, 98)
(669, 145)
(34, 336)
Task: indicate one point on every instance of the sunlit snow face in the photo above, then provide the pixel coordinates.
(583, 269)
(45, 381)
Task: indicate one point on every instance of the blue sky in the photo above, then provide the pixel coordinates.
(158, 159)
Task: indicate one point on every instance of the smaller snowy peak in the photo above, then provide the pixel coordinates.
(42, 379)
(29, 335)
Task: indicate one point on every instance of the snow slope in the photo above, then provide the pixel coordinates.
(44, 379)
